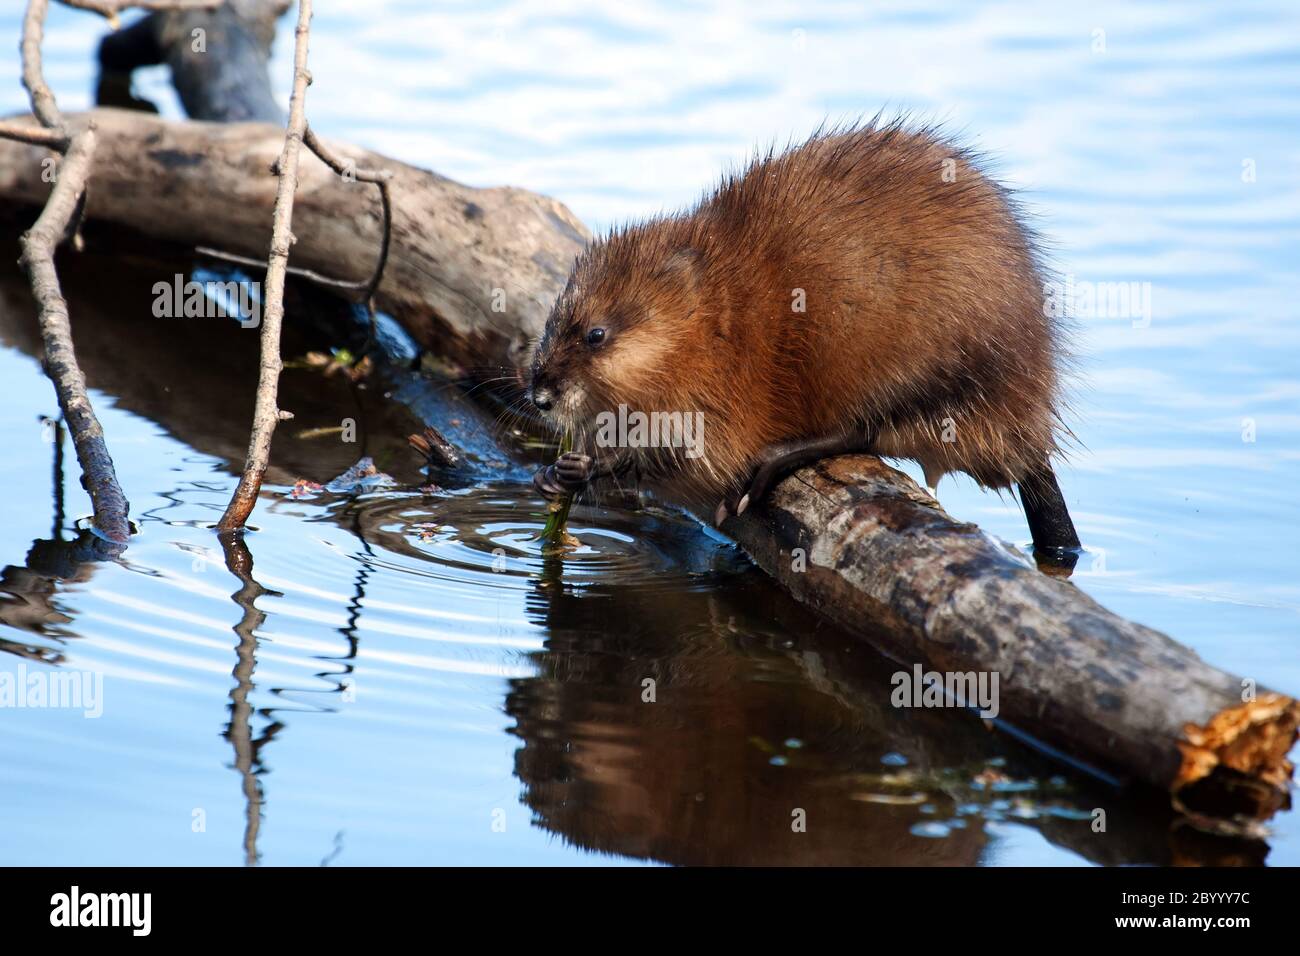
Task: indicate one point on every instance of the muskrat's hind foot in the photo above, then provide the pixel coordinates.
(777, 461)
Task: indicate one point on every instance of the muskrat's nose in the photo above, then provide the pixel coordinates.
(543, 397)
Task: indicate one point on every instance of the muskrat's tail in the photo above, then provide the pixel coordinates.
(1049, 519)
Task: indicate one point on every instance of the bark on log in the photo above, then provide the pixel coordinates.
(883, 559)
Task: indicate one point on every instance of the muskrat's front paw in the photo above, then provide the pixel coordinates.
(546, 484)
(569, 475)
(574, 469)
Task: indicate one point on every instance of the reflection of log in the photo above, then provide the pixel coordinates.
(690, 778)
(1103, 690)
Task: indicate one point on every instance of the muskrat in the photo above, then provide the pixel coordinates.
(868, 290)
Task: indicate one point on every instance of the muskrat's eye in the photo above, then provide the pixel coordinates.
(595, 336)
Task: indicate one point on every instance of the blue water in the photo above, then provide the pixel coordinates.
(412, 704)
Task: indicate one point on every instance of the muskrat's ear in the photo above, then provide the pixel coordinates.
(685, 266)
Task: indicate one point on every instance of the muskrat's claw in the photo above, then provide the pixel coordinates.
(770, 469)
(759, 485)
(733, 504)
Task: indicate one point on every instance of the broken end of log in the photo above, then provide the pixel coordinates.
(1236, 763)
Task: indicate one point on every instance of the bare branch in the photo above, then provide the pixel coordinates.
(38, 245)
(341, 166)
(265, 413)
(62, 211)
(43, 104)
(309, 274)
(381, 178)
(35, 135)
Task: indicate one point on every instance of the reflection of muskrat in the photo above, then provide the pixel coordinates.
(869, 290)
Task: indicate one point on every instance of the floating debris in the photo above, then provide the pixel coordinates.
(988, 777)
(338, 361)
(320, 432)
(433, 447)
(892, 799)
(305, 490)
(361, 477)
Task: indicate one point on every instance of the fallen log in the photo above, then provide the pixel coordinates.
(471, 275)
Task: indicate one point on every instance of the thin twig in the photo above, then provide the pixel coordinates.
(310, 275)
(380, 177)
(266, 414)
(43, 104)
(33, 135)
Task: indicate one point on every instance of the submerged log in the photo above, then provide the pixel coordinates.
(471, 275)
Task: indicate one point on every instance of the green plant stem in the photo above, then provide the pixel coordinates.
(554, 533)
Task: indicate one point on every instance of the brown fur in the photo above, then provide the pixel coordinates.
(924, 302)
